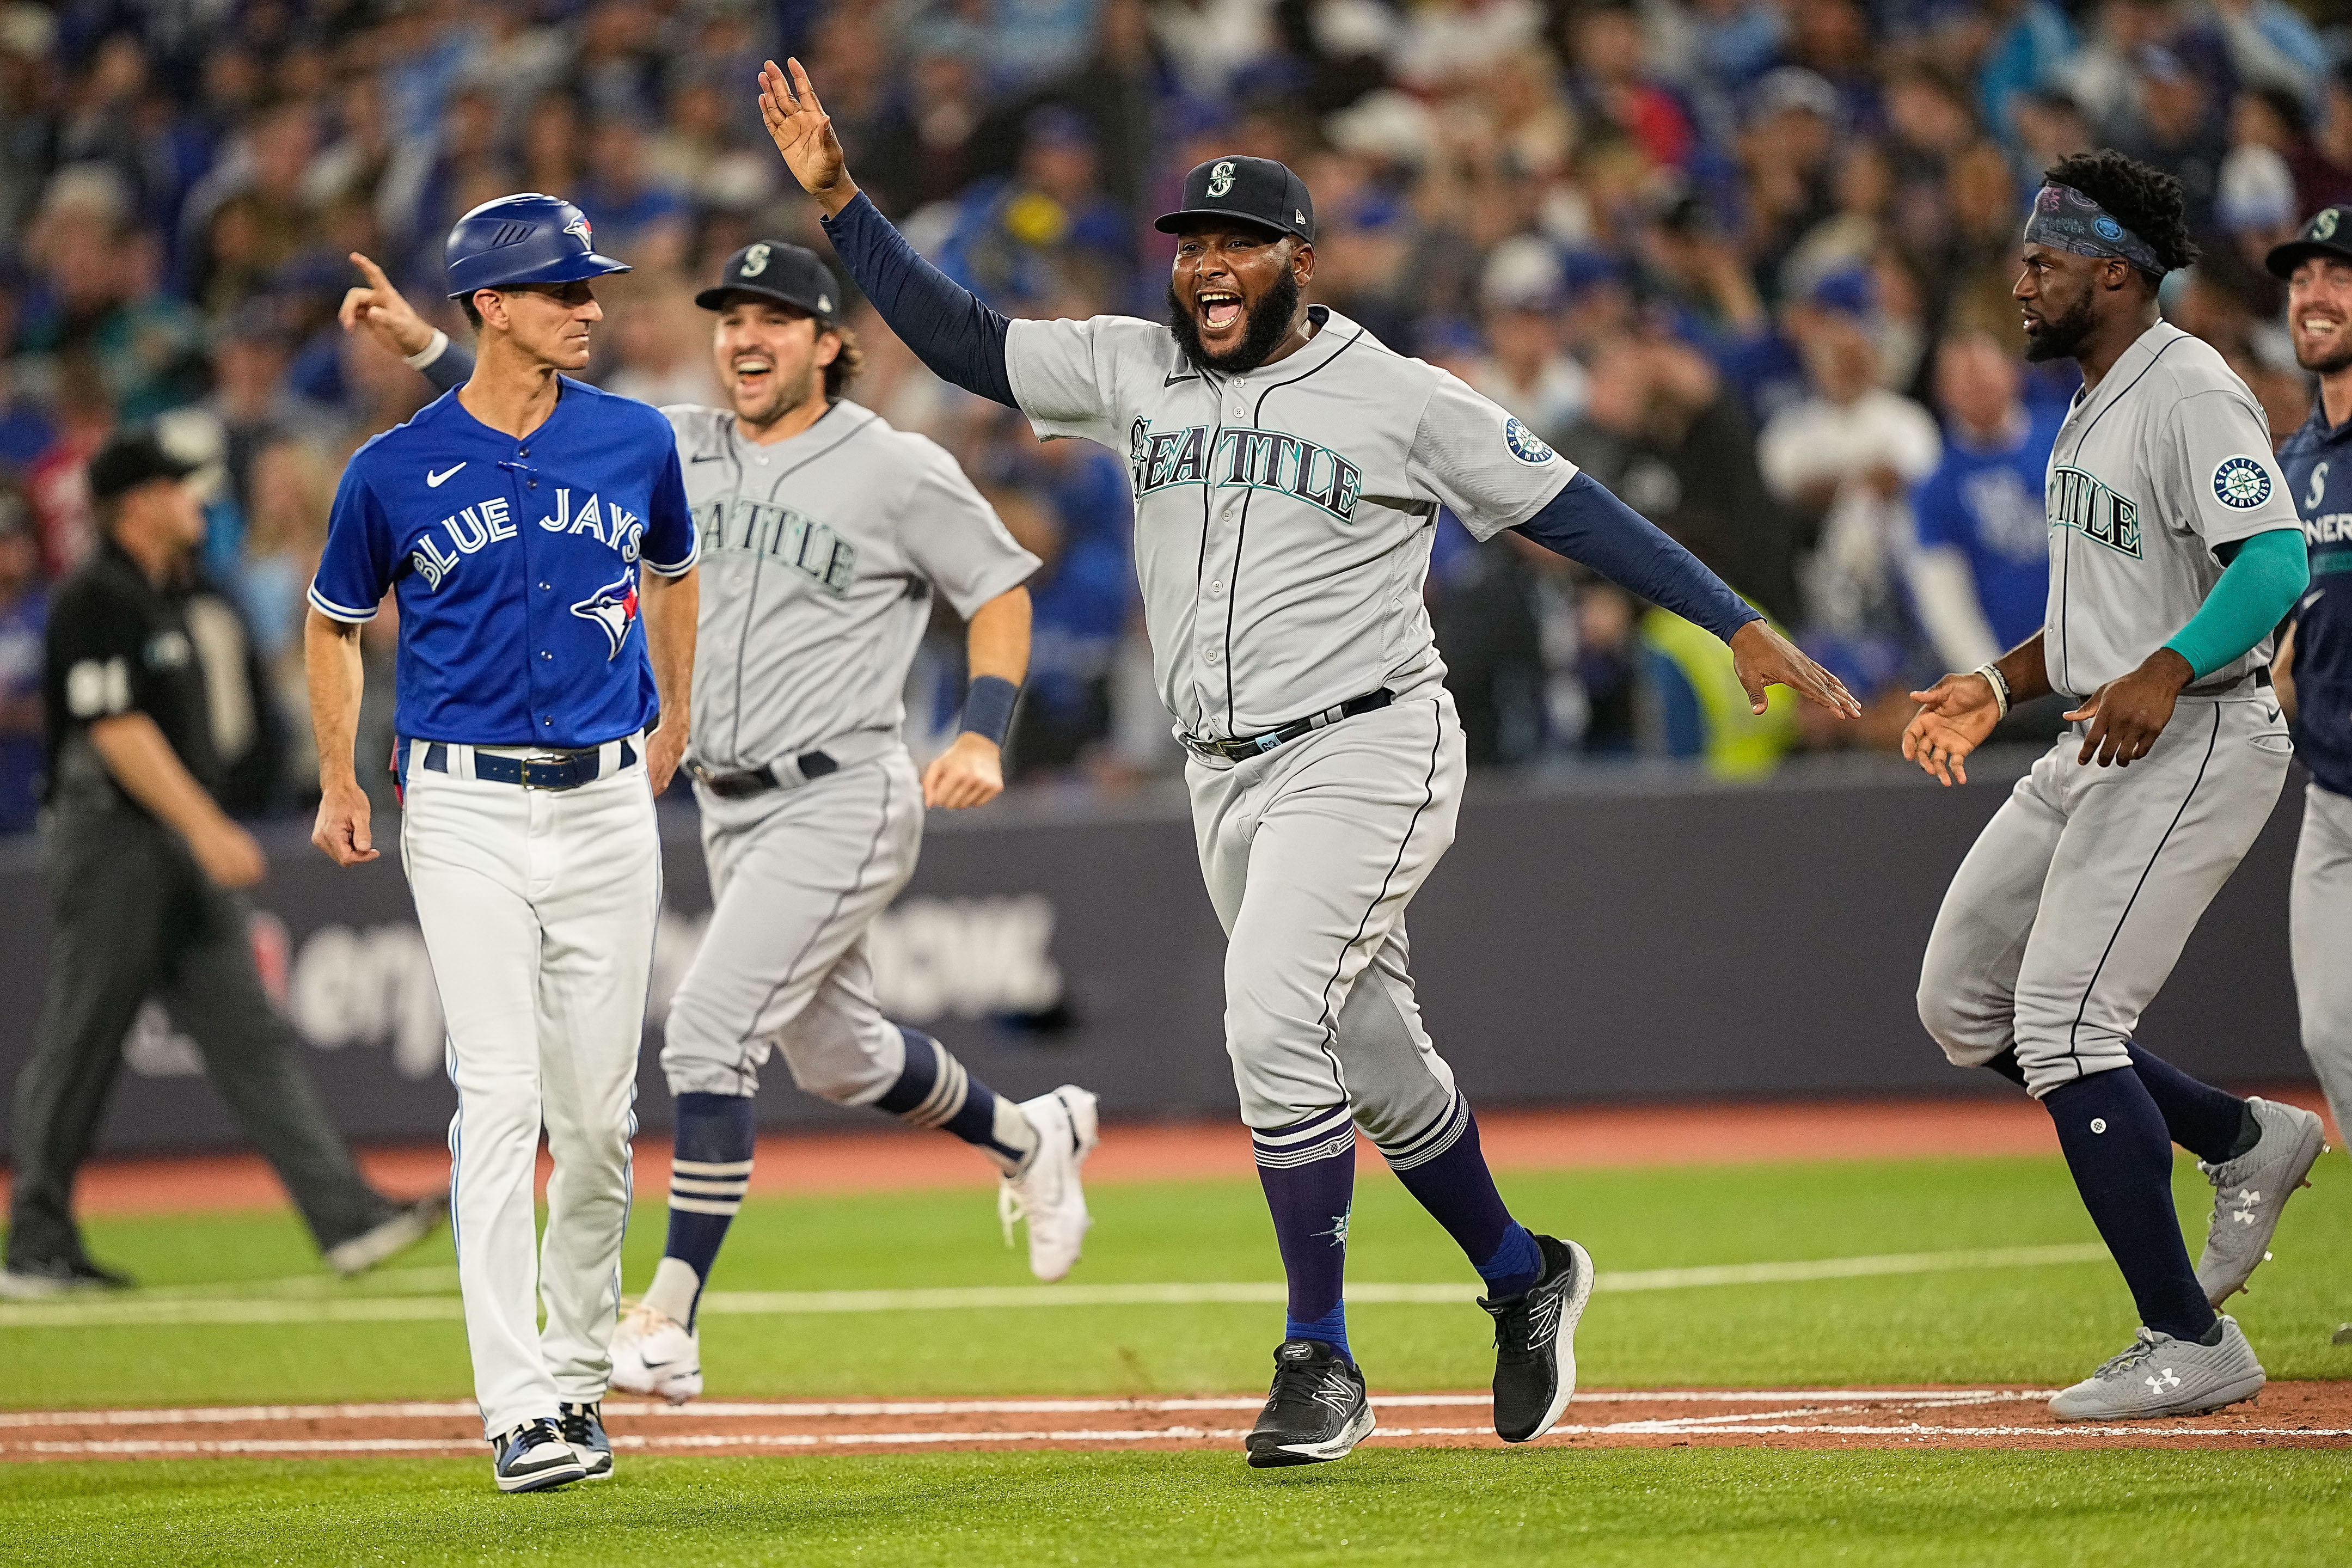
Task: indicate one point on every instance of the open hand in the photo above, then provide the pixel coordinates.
(968, 773)
(342, 829)
(1762, 657)
(2128, 714)
(802, 133)
(382, 310)
(1955, 715)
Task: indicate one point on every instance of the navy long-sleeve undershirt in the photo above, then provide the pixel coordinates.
(1586, 524)
(948, 328)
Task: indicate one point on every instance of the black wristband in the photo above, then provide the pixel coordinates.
(988, 708)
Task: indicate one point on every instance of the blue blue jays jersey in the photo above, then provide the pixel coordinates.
(2317, 462)
(514, 564)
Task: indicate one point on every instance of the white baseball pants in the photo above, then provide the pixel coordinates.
(2070, 909)
(538, 908)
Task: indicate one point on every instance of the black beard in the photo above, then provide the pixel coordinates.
(2061, 339)
(1269, 323)
(2334, 364)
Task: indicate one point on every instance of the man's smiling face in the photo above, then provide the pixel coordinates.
(2319, 315)
(1233, 294)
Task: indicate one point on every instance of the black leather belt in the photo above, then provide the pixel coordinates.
(735, 787)
(556, 771)
(1241, 747)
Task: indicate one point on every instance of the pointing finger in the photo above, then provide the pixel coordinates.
(374, 274)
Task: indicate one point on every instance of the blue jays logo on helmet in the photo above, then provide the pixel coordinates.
(523, 238)
(614, 607)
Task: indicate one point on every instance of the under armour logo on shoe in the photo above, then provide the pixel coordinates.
(2244, 1216)
(2164, 1381)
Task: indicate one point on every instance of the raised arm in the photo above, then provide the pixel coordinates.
(383, 310)
(1586, 524)
(948, 328)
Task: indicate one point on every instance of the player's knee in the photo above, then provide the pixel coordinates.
(1968, 1035)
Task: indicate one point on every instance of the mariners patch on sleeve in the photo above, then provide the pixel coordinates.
(1526, 446)
(2242, 482)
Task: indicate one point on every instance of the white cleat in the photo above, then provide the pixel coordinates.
(1047, 1193)
(654, 1353)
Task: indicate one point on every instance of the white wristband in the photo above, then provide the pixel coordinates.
(430, 352)
(1999, 684)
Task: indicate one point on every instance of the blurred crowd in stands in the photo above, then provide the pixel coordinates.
(1747, 260)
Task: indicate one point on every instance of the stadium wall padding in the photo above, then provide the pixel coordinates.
(1648, 935)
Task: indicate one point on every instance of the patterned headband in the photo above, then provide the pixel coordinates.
(2065, 219)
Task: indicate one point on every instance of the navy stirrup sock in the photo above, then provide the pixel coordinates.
(2209, 1122)
(1458, 1190)
(935, 1090)
(709, 1170)
(2121, 1155)
(1309, 1171)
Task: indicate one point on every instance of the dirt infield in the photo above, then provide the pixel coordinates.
(2295, 1414)
(893, 1160)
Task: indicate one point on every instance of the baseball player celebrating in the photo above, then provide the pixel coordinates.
(510, 519)
(2314, 667)
(1288, 470)
(826, 533)
(2174, 551)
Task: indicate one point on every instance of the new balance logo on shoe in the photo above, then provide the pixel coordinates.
(1337, 1392)
(1543, 1321)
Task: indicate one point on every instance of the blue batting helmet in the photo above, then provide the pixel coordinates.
(525, 239)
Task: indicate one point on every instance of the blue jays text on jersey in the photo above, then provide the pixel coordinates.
(1236, 456)
(2317, 462)
(514, 563)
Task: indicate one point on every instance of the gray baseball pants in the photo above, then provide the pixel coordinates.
(2069, 913)
(796, 878)
(1311, 853)
(2319, 913)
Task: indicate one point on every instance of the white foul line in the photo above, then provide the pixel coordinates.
(142, 1310)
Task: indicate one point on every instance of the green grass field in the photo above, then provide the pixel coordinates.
(2048, 1323)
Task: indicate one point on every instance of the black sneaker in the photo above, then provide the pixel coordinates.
(584, 1429)
(1317, 1409)
(57, 1277)
(1535, 1342)
(534, 1457)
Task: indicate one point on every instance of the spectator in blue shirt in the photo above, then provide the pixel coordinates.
(1980, 576)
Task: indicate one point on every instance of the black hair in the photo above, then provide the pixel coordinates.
(2145, 200)
(473, 316)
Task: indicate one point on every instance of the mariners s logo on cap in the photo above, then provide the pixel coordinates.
(1221, 177)
(1525, 444)
(755, 261)
(2242, 482)
(2324, 225)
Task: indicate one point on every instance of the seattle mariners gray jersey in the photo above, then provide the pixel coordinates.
(1283, 529)
(2166, 461)
(1283, 516)
(822, 551)
(2069, 913)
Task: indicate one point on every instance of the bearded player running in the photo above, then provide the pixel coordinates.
(1288, 469)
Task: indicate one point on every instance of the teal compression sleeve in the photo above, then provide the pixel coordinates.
(2257, 589)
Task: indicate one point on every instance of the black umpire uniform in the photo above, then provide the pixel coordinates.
(133, 915)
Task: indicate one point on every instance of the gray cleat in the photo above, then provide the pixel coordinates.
(2251, 1192)
(2343, 1335)
(2160, 1376)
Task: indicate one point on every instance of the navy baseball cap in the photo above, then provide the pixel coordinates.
(2329, 233)
(1255, 190)
(523, 238)
(775, 270)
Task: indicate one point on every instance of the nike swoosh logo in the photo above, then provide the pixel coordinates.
(705, 457)
(434, 481)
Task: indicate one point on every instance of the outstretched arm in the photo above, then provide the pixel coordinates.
(948, 328)
(1585, 522)
(385, 312)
